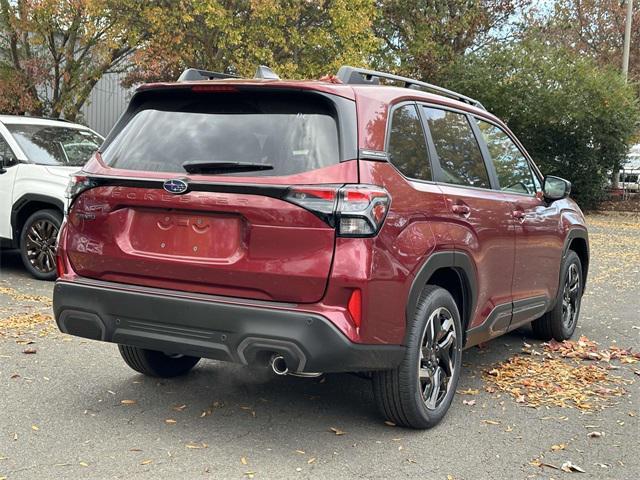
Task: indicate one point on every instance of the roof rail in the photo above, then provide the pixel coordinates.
(197, 74)
(363, 76)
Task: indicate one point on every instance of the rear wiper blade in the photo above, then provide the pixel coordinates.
(224, 167)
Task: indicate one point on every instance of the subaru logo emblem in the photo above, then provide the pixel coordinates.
(175, 186)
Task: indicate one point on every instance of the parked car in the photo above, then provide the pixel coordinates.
(37, 156)
(343, 225)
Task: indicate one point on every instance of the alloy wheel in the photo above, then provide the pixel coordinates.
(41, 245)
(437, 360)
(571, 297)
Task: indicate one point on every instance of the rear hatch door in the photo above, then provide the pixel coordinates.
(156, 216)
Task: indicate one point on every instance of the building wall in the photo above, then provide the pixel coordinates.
(106, 103)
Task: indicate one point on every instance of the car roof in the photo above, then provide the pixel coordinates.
(386, 93)
(25, 120)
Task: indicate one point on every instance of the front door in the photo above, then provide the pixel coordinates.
(538, 246)
(7, 178)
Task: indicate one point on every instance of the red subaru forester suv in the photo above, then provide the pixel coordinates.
(362, 223)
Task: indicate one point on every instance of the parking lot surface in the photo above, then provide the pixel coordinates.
(71, 408)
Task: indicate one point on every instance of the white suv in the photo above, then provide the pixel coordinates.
(36, 158)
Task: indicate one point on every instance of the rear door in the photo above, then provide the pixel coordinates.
(538, 242)
(257, 234)
(480, 220)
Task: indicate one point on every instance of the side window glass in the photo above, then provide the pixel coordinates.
(457, 148)
(513, 169)
(6, 153)
(407, 145)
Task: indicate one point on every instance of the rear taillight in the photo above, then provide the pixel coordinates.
(77, 184)
(355, 210)
(361, 210)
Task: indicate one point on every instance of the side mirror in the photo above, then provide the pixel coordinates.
(3, 164)
(555, 188)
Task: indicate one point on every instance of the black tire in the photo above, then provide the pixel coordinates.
(156, 364)
(38, 243)
(560, 322)
(399, 393)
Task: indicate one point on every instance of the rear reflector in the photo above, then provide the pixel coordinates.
(60, 266)
(355, 307)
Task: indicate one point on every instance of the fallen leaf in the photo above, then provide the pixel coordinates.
(311, 460)
(595, 434)
(179, 408)
(135, 449)
(558, 447)
(301, 452)
(146, 462)
(35, 427)
(84, 464)
(491, 422)
(468, 391)
(389, 423)
(196, 445)
(471, 403)
(571, 467)
(29, 351)
(170, 421)
(243, 460)
(337, 431)
(128, 402)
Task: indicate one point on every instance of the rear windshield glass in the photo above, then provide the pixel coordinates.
(293, 134)
(47, 145)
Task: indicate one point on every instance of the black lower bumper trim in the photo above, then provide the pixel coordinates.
(154, 319)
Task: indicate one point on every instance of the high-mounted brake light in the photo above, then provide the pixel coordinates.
(213, 88)
(355, 210)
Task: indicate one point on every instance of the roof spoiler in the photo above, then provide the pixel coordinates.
(191, 74)
(363, 76)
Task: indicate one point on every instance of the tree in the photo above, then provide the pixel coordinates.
(594, 28)
(423, 37)
(575, 118)
(296, 39)
(52, 52)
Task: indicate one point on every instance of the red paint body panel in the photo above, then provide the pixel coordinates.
(251, 247)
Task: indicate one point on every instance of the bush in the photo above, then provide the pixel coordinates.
(575, 119)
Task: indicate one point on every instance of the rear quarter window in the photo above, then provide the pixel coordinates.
(293, 133)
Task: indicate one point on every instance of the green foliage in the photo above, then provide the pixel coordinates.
(422, 37)
(575, 119)
(53, 52)
(296, 39)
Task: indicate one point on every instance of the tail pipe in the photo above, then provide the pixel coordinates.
(279, 365)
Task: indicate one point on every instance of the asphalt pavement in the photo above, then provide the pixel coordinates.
(73, 409)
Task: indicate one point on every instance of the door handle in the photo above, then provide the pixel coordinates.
(461, 209)
(518, 214)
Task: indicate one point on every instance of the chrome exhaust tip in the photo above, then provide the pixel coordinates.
(278, 365)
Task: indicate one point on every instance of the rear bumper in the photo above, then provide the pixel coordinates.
(210, 327)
